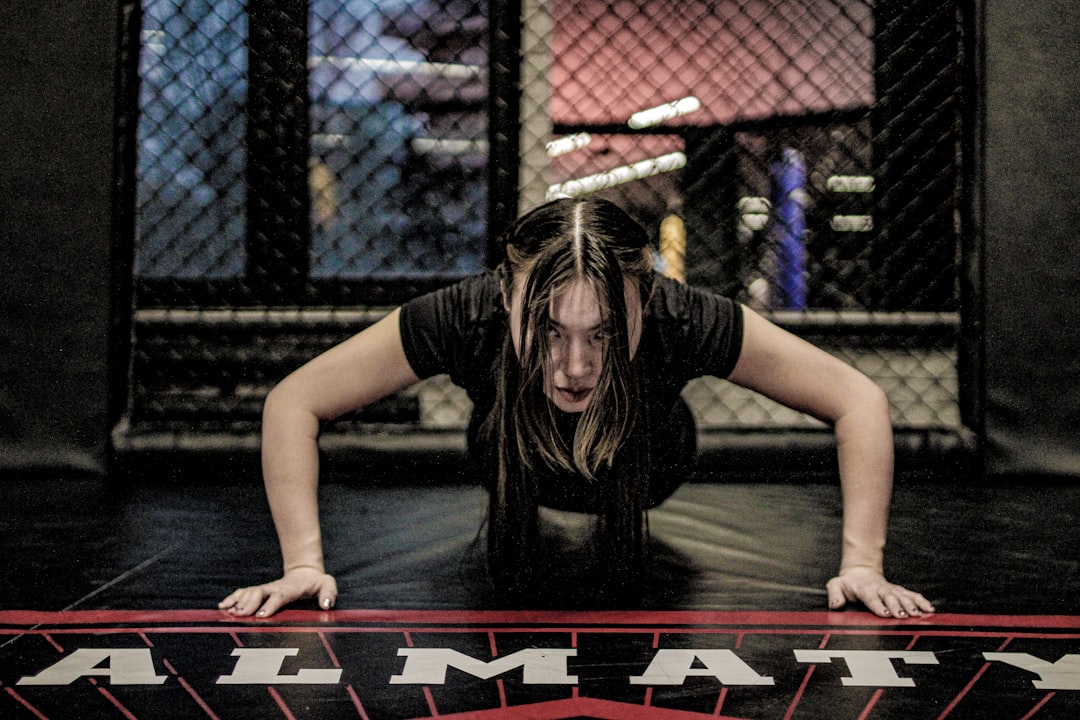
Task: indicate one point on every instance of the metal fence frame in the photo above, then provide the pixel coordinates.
(234, 320)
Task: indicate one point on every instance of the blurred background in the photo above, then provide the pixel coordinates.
(201, 195)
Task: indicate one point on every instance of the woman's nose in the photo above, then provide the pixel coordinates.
(579, 359)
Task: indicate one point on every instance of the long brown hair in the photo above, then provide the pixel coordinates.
(547, 250)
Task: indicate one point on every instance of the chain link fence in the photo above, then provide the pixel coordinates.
(305, 165)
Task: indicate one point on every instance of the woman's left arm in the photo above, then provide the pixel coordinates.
(803, 377)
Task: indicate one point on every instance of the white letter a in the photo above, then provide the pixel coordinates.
(672, 667)
(133, 666)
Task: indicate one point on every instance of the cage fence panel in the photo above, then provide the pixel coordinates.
(191, 130)
(321, 156)
(800, 156)
(809, 148)
(399, 149)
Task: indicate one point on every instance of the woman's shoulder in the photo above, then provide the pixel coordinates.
(455, 329)
(675, 301)
(695, 328)
(471, 299)
(483, 292)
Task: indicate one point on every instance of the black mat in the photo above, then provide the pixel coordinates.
(737, 568)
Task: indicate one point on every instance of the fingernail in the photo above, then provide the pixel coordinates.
(326, 603)
(261, 613)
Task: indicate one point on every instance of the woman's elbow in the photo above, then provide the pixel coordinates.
(285, 403)
(867, 399)
(274, 403)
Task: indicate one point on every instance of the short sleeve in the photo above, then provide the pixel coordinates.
(716, 333)
(452, 330)
(700, 333)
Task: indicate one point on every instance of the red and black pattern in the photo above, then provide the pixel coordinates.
(398, 665)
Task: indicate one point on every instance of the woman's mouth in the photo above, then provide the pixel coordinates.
(574, 396)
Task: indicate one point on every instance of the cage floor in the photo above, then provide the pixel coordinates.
(107, 597)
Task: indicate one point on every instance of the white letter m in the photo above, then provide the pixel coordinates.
(427, 666)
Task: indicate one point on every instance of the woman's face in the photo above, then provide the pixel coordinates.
(576, 340)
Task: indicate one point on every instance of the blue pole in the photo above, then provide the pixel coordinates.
(789, 227)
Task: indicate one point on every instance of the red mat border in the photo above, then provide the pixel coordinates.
(14, 623)
(592, 618)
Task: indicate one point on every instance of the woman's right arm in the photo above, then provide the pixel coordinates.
(361, 370)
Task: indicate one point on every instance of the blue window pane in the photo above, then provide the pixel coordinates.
(191, 156)
(398, 150)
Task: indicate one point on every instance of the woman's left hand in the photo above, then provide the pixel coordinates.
(880, 596)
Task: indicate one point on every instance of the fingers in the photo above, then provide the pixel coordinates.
(258, 600)
(243, 602)
(879, 596)
(265, 600)
(835, 589)
(891, 607)
(918, 603)
(229, 601)
(274, 601)
(327, 592)
(897, 601)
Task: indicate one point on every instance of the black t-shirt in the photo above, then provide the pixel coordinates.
(460, 331)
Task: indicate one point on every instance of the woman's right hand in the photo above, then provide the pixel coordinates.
(369, 366)
(296, 584)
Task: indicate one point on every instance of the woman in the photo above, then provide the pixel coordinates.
(574, 353)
